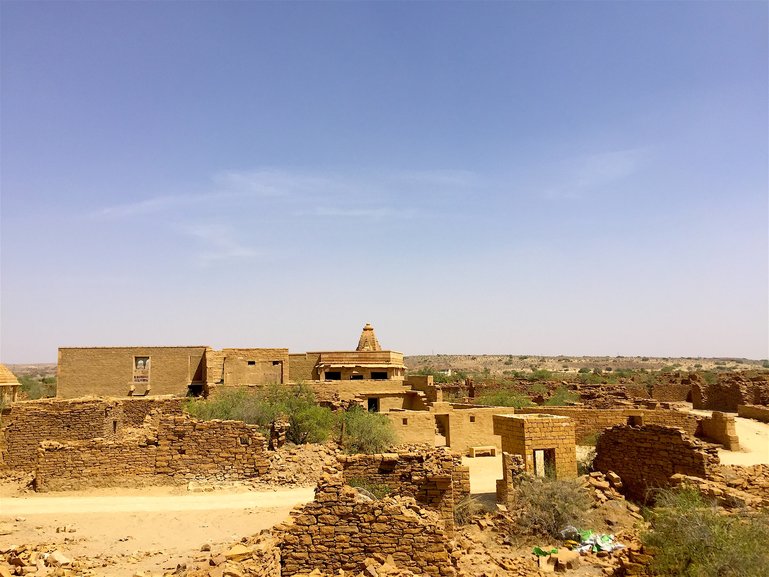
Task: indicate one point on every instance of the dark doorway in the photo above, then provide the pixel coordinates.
(333, 375)
(356, 377)
(544, 463)
(373, 405)
(379, 375)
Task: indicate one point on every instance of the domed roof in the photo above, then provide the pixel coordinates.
(367, 341)
(7, 377)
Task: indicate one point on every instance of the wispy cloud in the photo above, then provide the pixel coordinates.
(363, 194)
(588, 174)
(218, 244)
(376, 213)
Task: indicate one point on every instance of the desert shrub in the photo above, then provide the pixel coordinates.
(545, 506)
(585, 461)
(503, 398)
(309, 422)
(589, 440)
(374, 490)
(539, 388)
(765, 364)
(692, 539)
(561, 396)
(467, 509)
(38, 388)
(583, 370)
(365, 432)
(540, 375)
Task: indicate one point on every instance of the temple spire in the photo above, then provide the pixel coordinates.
(368, 340)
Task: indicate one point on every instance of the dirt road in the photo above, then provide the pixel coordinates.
(148, 529)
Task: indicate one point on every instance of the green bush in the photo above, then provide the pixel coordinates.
(38, 388)
(309, 422)
(561, 396)
(692, 539)
(583, 370)
(540, 375)
(545, 506)
(365, 432)
(370, 489)
(503, 398)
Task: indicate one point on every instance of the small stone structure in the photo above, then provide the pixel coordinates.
(9, 386)
(646, 457)
(436, 479)
(340, 529)
(546, 443)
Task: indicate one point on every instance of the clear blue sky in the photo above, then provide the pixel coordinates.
(508, 177)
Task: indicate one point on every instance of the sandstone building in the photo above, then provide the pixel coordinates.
(196, 370)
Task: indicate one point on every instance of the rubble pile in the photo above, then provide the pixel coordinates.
(300, 465)
(39, 560)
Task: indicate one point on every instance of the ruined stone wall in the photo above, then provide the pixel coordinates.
(758, 412)
(339, 530)
(135, 409)
(190, 449)
(179, 450)
(672, 392)
(436, 479)
(109, 371)
(719, 427)
(646, 457)
(95, 462)
(26, 424)
(590, 422)
(731, 391)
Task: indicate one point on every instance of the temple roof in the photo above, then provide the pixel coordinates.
(7, 377)
(367, 341)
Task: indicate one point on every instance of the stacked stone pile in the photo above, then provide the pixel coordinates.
(341, 529)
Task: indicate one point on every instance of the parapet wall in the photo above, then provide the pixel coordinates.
(436, 479)
(181, 449)
(646, 457)
(339, 530)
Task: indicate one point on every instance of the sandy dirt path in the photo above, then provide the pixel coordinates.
(130, 531)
